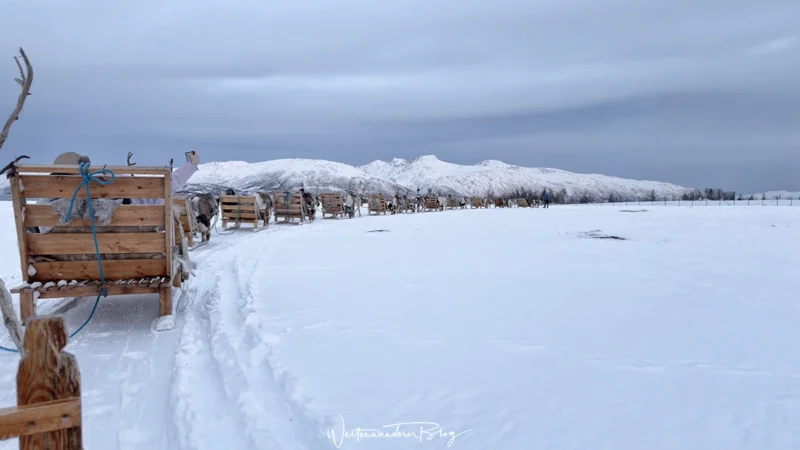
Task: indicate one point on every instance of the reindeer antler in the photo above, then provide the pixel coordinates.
(25, 81)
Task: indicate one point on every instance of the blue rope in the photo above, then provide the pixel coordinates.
(83, 170)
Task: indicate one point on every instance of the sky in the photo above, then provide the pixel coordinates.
(698, 93)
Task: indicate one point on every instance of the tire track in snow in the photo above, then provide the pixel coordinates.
(222, 312)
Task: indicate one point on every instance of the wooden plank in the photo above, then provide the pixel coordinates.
(27, 306)
(88, 270)
(18, 202)
(124, 216)
(40, 417)
(241, 216)
(243, 199)
(244, 208)
(53, 186)
(73, 169)
(83, 243)
(170, 239)
(46, 374)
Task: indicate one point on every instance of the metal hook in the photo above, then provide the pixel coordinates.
(130, 154)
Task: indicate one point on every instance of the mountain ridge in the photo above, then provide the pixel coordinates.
(487, 177)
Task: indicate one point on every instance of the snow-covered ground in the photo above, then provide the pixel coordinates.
(507, 329)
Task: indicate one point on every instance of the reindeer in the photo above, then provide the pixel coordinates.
(309, 204)
(352, 203)
(204, 206)
(265, 205)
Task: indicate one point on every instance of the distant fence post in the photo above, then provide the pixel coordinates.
(48, 411)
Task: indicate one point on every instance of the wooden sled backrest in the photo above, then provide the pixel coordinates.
(431, 203)
(452, 202)
(238, 207)
(476, 202)
(153, 241)
(522, 203)
(332, 203)
(288, 203)
(499, 202)
(377, 203)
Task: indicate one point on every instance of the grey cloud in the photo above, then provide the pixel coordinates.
(697, 93)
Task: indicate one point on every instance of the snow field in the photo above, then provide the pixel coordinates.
(508, 328)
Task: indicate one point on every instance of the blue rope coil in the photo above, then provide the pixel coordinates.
(87, 178)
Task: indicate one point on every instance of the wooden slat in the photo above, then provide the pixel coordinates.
(247, 208)
(88, 270)
(233, 216)
(124, 216)
(168, 228)
(244, 200)
(18, 202)
(39, 418)
(52, 186)
(73, 169)
(83, 243)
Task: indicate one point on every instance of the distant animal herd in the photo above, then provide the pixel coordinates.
(206, 206)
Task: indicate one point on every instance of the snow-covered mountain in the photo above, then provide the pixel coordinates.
(425, 172)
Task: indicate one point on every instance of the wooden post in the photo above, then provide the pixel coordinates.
(48, 412)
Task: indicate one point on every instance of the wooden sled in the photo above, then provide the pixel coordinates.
(240, 209)
(377, 204)
(522, 203)
(332, 205)
(476, 202)
(62, 262)
(499, 203)
(288, 206)
(431, 204)
(451, 203)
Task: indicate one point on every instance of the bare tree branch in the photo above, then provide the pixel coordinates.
(25, 81)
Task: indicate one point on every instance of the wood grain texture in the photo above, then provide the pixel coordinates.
(39, 418)
(73, 169)
(88, 270)
(83, 243)
(18, 202)
(124, 216)
(55, 186)
(47, 374)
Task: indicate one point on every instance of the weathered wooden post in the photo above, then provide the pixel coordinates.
(48, 411)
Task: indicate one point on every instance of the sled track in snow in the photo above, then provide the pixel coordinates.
(223, 374)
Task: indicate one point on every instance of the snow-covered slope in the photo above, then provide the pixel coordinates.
(497, 177)
(426, 172)
(317, 175)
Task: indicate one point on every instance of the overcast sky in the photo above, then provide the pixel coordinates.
(695, 92)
